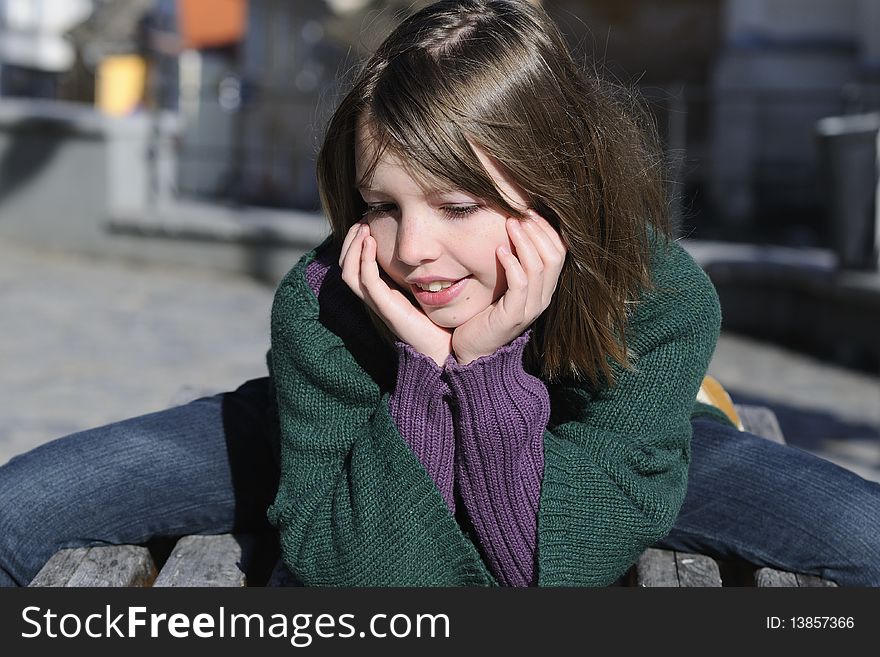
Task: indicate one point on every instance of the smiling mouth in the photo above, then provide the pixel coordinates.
(438, 293)
(434, 286)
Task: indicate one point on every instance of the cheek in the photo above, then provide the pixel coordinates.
(385, 234)
(492, 270)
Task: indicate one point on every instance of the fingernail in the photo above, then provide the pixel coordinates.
(504, 250)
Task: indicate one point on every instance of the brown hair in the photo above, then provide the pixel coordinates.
(499, 74)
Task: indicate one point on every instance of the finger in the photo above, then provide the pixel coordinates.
(547, 247)
(369, 268)
(552, 258)
(547, 229)
(349, 238)
(525, 248)
(388, 303)
(351, 266)
(513, 302)
(378, 293)
(530, 261)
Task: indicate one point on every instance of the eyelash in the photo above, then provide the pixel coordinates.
(452, 212)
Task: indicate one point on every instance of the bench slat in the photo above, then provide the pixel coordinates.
(105, 565)
(810, 581)
(665, 568)
(656, 568)
(697, 570)
(59, 568)
(207, 561)
(765, 577)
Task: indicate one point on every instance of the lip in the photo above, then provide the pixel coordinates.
(440, 298)
(425, 280)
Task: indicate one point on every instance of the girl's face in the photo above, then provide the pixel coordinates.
(437, 246)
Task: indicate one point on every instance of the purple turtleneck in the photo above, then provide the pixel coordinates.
(478, 428)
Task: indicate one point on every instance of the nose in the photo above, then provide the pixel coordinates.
(416, 240)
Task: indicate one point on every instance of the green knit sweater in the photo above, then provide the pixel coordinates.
(355, 507)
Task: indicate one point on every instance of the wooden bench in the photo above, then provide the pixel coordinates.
(225, 560)
(244, 560)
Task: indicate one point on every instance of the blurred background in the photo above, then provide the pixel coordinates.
(157, 181)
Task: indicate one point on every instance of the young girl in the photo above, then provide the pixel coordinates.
(487, 375)
(502, 216)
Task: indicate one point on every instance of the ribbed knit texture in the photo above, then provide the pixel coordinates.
(420, 408)
(501, 413)
(356, 506)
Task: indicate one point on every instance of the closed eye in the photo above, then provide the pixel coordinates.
(459, 211)
(377, 209)
(452, 212)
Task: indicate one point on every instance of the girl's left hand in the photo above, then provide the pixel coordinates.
(532, 275)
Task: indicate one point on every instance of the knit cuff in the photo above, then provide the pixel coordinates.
(496, 385)
(501, 414)
(423, 417)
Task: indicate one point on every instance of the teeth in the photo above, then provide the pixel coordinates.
(435, 286)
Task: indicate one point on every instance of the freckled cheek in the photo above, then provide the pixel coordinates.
(384, 236)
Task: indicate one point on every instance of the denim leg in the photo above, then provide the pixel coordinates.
(778, 506)
(204, 467)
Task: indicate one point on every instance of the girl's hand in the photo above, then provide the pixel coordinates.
(361, 273)
(532, 275)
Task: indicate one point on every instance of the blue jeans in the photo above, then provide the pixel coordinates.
(772, 505)
(210, 467)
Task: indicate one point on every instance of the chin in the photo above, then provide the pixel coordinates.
(446, 318)
(451, 324)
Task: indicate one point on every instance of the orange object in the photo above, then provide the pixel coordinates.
(211, 23)
(713, 393)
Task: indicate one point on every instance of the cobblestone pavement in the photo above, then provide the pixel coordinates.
(85, 343)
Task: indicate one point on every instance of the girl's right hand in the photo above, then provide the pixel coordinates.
(361, 273)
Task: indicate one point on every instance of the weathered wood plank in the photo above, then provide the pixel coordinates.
(760, 421)
(657, 568)
(769, 577)
(207, 561)
(697, 570)
(668, 568)
(119, 565)
(765, 577)
(59, 568)
(100, 566)
(813, 581)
